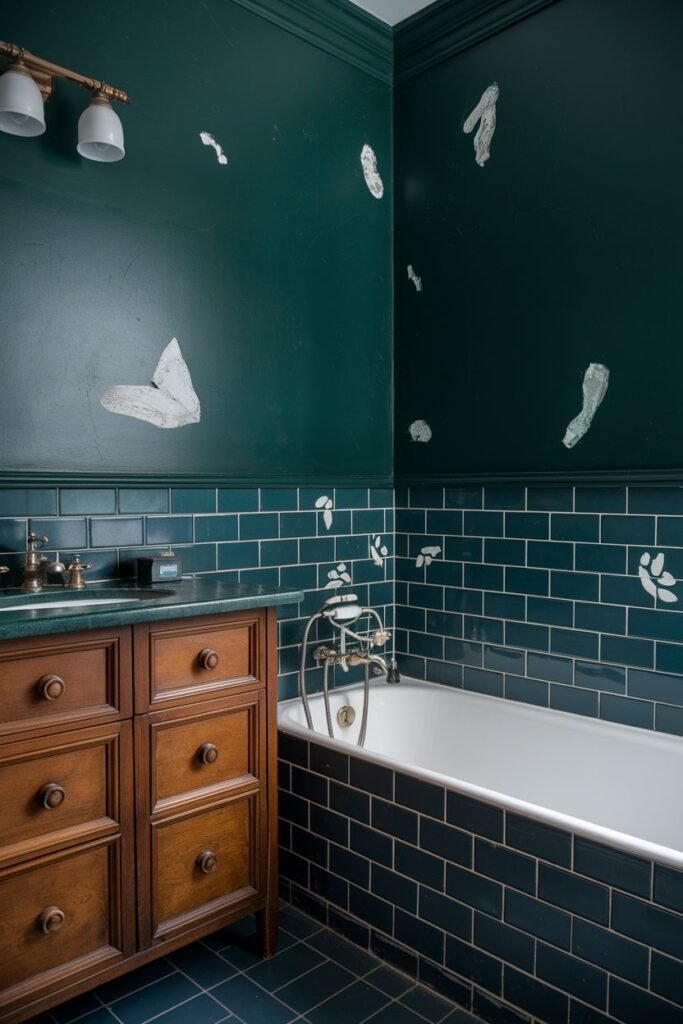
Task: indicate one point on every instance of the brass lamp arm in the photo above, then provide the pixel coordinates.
(45, 70)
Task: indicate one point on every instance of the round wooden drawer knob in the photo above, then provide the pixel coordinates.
(208, 659)
(51, 687)
(207, 862)
(208, 753)
(50, 796)
(51, 920)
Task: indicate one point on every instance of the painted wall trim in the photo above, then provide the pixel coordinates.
(55, 478)
(446, 28)
(336, 26)
(597, 476)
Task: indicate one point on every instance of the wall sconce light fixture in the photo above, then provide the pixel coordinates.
(28, 82)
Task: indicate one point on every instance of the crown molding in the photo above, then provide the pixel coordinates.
(336, 26)
(448, 27)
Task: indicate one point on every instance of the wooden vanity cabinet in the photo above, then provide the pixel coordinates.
(137, 798)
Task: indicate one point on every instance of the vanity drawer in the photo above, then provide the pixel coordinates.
(204, 863)
(61, 916)
(194, 659)
(50, 681)
(205, 749)
(62, 789)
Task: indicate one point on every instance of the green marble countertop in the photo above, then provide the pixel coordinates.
(123, 604)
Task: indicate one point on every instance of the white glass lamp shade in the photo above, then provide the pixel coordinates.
(21, 104)
(100, 132)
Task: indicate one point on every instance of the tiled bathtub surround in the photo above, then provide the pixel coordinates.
(267, 535)
(536, 596)
(512, 919)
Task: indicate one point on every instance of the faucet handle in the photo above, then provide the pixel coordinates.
(4, 568)
(36, 538)
(75, 572)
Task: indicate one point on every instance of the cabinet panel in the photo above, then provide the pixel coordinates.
(61, 789)
(197, 659)
(203, 862)
(47, 682)
(61, 914)
(205, 748)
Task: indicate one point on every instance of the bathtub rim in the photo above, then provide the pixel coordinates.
(642, 848)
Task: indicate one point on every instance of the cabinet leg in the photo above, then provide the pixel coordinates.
(267, 928)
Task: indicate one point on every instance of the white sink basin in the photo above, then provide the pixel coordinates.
(87, 602)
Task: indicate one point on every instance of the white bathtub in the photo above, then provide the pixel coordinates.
(612, 783)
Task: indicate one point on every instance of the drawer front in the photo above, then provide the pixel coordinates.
(198, 658)
(49, 681)
(62, 789)
(203, 863)
(61, 915)
(214, 746)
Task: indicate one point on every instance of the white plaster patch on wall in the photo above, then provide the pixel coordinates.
(371, 174)
(595, 382)
(412, 276)
(170, 401)
(208, 140)
(420, 431)
(338, 577)
(427, 555)
(378, 551)
(654, 579)
(326, 504)
(485, 114)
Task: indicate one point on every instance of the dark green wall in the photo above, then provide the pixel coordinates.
(274, 272)
(564, 249)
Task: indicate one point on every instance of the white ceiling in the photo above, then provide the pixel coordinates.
(392, 11)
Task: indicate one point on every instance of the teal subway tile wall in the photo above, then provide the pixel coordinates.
(258, 535)
(568, 598)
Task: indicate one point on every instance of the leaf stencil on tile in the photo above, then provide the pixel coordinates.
(208, 140)
(412, 276)
(326, 504)
(654, 579)
(338, 577)
(427, 555)
(420, 431)
(170, 401)
(370, 173)
(485, 114)
(378, 552)
(595, 383)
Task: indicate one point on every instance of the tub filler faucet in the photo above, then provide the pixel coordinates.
(343, 611)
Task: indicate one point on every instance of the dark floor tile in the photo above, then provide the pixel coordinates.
(427, 1004)
(350, 1006)
(119, 987)
(394, 1013)
(250, 1003)
(387, 980)
(155, 999)
(200, 1010)
(286, 966)
(102, 1015)
(343, 952)
(76, 1008)
(298, 924)
(203, 966)
(320, 984)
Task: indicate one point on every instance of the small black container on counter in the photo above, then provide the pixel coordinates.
(163, 568)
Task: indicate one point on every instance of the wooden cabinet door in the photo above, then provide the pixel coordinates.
(64, 789)
(47, 683)
(205, 863)
(201, 827)
(63, 916)
(187, 660)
